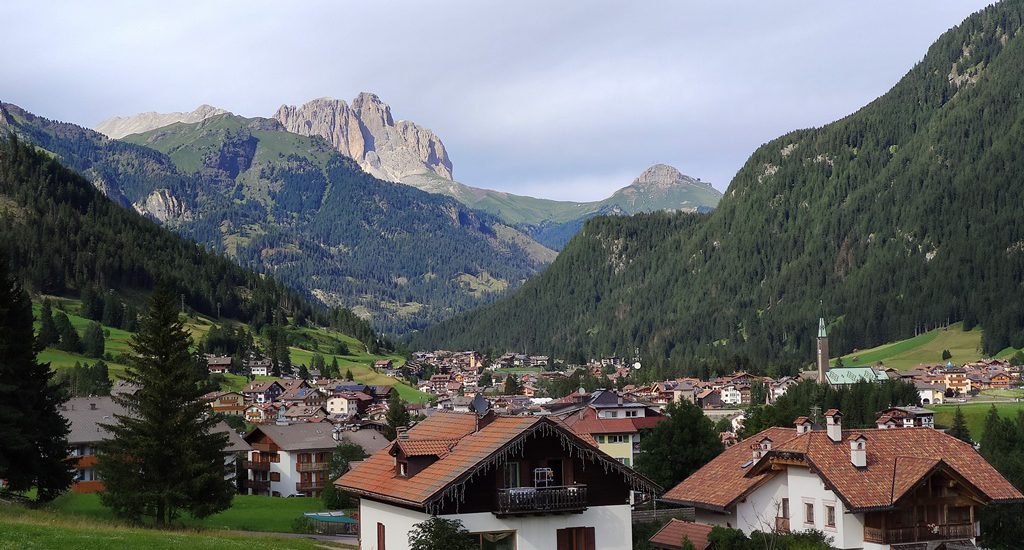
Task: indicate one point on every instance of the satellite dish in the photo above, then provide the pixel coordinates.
(636, 365)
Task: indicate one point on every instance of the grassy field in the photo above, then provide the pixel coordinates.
(926, 348)
(308, 341)
(247, 512)
(1006, 394)
(24, 529)
(975, 414)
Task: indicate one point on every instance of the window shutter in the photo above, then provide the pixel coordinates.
(380, 536)
(564, 538)
(590, 538)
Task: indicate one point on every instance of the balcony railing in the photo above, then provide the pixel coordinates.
(312, 466)
(782, 525)
(258, 484)
(542, 500)
(921, 533)
(307, 486)
(259, 465)
(264, 447)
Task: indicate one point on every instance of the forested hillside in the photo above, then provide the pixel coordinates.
(64, 237)
(294, 207)
(903, 216)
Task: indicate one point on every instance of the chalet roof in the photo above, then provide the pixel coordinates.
(296, 437)
(235, 442)
(260, 386)
(298, 393)
(896, 461)
(587, 421)
(672, 534)
(86, 414)
(474, 449)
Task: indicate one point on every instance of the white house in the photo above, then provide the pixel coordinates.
(731, 395)
(872, 489)
(515, 482)
(931, 394)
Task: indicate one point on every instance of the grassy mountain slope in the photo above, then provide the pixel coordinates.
(904, 215)
(926, 349)
(291, 206)
(553, 223)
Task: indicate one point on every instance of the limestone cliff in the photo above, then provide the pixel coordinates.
(366, 132)
(118, 127)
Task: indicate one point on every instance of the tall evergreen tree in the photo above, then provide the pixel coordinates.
(1002, 444)
(397, 416)
(163, 456)
(93, 343)
(48, 335)
(69, 340)
(113, 311)
(959, 429)
(34, 450)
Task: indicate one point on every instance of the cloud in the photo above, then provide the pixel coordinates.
(567, 100)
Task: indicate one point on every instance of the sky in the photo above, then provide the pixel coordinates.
(566, 100)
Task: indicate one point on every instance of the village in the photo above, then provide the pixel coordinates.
(479, 407)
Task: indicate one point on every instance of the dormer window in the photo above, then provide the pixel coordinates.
(403, 469)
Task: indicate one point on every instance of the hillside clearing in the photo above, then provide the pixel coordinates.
(926, 349)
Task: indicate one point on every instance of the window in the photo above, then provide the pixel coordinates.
(576, 538)
(275, 476)
(380, 536)
(403, 469)
(617, 439)
(499, 540)
(830, 516)
(632, 413)
(784, 509)
(809, 512)
(512, 475)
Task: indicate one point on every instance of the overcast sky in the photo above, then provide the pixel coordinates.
(566, 100)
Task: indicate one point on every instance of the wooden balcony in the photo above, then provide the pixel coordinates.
(258, 485)
(258, 465)
(263, 447)
(781, 525)
(541, 500)
(921, 533)
(309, 486)
(312, 466)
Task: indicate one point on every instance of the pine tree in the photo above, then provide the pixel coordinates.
(1002, 444)
(48, 335)
(335, 369)
(69, 340)
(678, 446)
(93, 343)
(35, 450)
(348, 375)
(113, 311)
(397, 416)
(959, 429)
(163, 456)
(511, 386)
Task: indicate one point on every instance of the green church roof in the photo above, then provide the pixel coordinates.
(852, 375)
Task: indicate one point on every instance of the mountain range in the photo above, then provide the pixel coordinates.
(294, 207)
(900, 217)
(405, 152)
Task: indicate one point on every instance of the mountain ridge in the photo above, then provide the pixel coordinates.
(896, 218)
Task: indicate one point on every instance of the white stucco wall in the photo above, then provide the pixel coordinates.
(612, 524)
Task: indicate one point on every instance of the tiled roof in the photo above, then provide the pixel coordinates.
(587, 421)
(376, 476)
(672, 534)
(437, 448)
(297, 437)
(896, 461)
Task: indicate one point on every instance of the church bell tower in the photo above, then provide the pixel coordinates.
(822, 351)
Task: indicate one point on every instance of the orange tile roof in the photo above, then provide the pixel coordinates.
(587, 421)
(425, 448)
(671, 535)
(896, 461)
(377, 477)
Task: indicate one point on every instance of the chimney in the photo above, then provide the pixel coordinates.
(761, 447)
(834, 425)
(803, 425)
(859, 451)
(402, 432)
(92, 406)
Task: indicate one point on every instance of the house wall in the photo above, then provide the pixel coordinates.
(612, 524)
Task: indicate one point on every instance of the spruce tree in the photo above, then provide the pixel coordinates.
(93, 343)
(396, 416)
(34, 450)
(163, 456)
(69, 340)
(48, 335)
(348, 375)
(959, 429)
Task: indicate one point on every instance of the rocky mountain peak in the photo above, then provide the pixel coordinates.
(663, 175)
(367, 132)
(118, 127)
